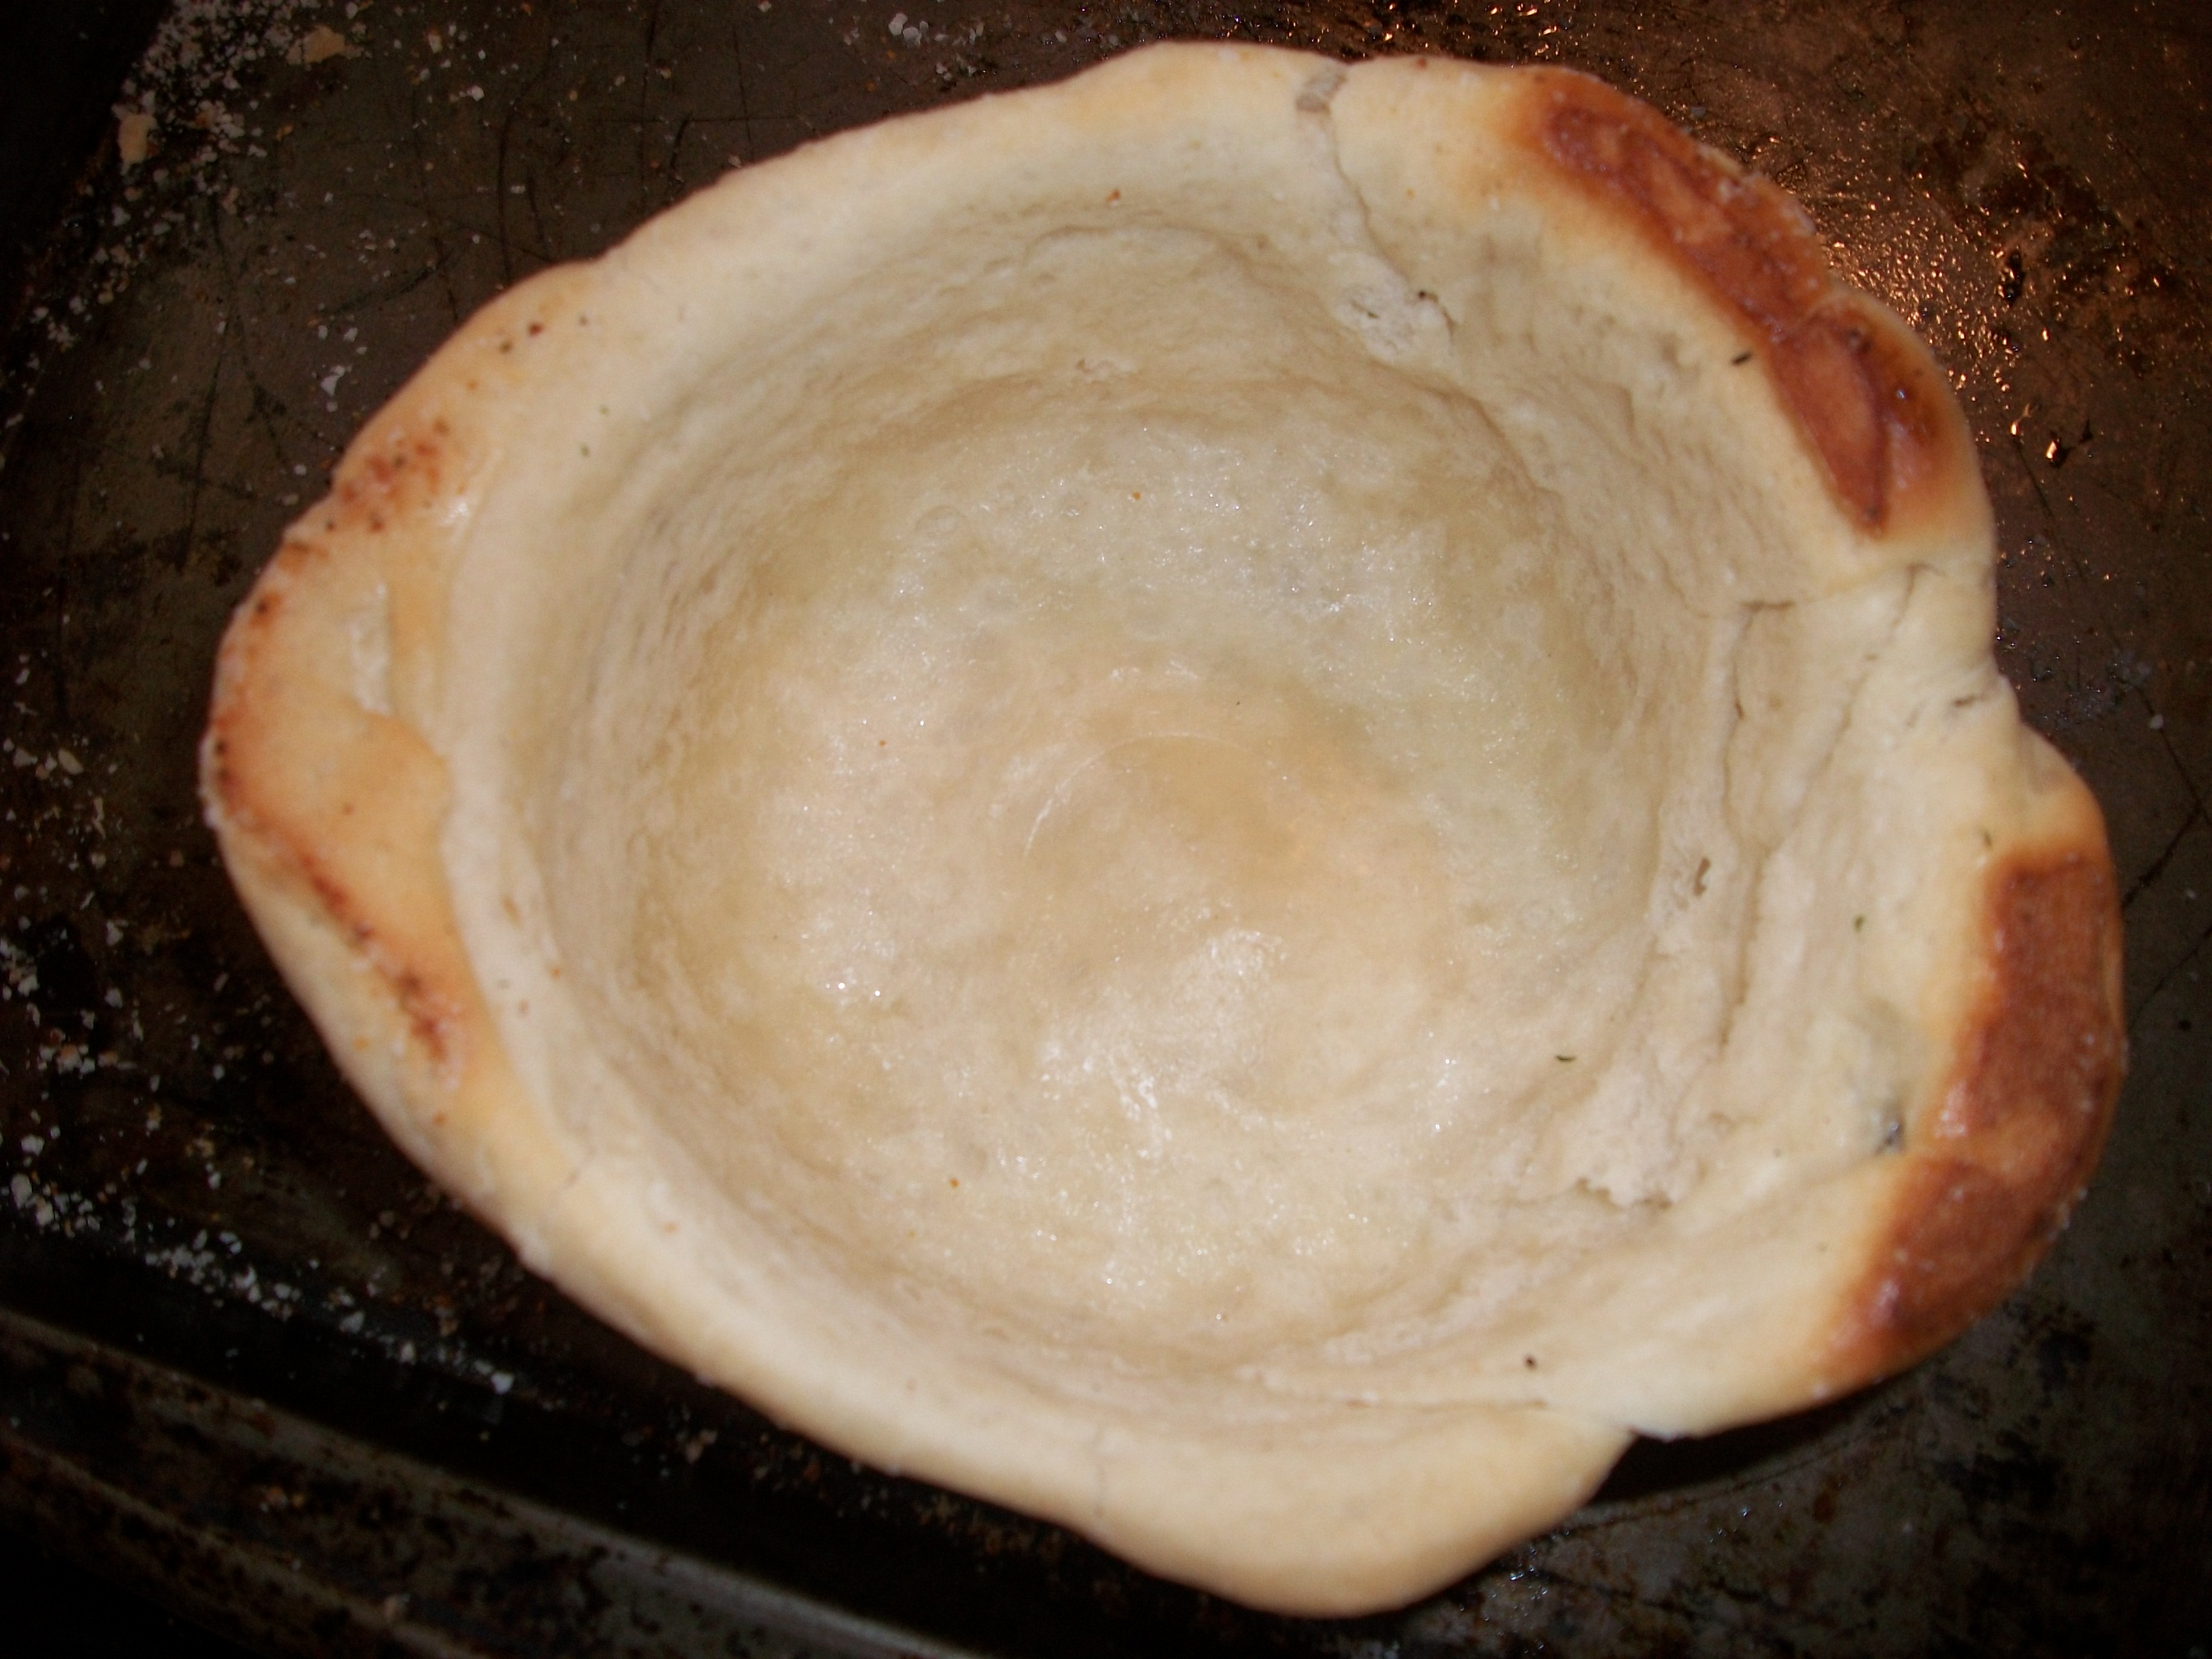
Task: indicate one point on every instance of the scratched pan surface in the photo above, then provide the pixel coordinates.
(251, 1368)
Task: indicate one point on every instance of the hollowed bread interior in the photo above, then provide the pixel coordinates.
(1173, 793)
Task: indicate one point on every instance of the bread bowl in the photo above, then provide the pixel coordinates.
(1244, 802)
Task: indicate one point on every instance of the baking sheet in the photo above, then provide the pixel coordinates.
(199, 1217)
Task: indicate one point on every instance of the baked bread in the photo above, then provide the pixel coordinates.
(1245, 802)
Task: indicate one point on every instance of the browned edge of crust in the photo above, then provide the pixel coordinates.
(235, 775)
(2006, 1153)
(322, 796)
(1864, 392)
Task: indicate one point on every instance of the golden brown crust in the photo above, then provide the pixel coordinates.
(2000, 1162)
(332, 802)
(321, 825)
(1864, 392)
(335, 800)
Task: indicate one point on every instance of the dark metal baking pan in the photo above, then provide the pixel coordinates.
(252, 1368)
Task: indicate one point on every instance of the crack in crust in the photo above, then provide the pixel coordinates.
(1865, 395)
(2007, 1151)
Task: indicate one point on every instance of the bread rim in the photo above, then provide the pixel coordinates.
(329, 806)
